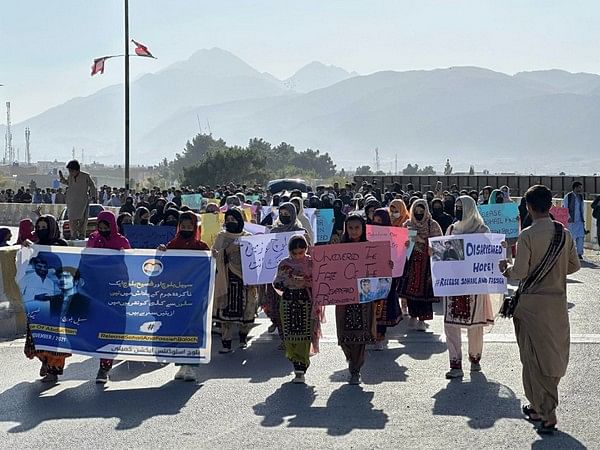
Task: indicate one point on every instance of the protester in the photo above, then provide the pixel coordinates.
(356, 324)
(547, 254)
(122, 220)
(438, 214)
(235, 303)
(187, 238)
(473, 312)
(107, 236)
(299, 317)
(142, 216)
(81, 190)
(416, 283)
(574, 202)
(5, 237)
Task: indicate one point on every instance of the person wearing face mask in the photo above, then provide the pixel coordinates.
(416, 282)
(234, 302)
(122, 220)
(496, 197)
(285, 223)
(171, 218)
(370, 206)
(158, 212)
(107, 236)
(128, 206)
(187, 238)
(142, 216)
(305, 223)
(53, 363)
(438, 214)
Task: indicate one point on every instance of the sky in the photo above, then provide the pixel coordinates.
(46, 47)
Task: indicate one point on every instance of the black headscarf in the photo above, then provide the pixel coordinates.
(338, 216)
(237, 215)
(384, 215)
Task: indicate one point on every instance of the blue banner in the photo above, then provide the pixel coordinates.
(147, 236)
(133, 305)
(501, 218)
(324, 224)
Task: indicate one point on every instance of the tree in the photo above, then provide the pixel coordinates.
(411, 170)
(194, 151)
(427, 170)
(364, 170)
(471, 170)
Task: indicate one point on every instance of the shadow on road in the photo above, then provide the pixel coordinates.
(348, 408)
(380, 367)
(559, 440)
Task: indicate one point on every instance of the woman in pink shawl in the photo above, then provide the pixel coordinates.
(107, 236)
(26, 232)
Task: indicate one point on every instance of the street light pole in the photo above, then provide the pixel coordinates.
(127, 95)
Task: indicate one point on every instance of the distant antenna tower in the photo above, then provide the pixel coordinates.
(199, 126)
(377, 161)
(9, 152)
(27, 147)
(208, 125)
(396, 165)
(73, 153)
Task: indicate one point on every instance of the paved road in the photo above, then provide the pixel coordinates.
(245, 399)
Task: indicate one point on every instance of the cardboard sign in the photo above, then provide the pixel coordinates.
(338, 269)
(325, 220)
(212, 224)
(397, 237)
(502, 218)
(193, 201)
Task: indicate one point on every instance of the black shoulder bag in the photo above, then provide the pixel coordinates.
(507, 310)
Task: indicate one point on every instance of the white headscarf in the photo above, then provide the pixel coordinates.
(471, 221)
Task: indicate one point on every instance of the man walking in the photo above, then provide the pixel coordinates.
(546, 255)
(80, 189)
(574, 202)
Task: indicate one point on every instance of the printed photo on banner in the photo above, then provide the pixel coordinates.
(371, 289)
(132, 304)
(448, 250)
(336, 269)
(467, 264)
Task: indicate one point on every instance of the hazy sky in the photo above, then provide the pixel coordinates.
(46, 47)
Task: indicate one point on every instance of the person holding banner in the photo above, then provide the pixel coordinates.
(53, 363)
(473, 312)
(234, 302)
(356, 324)
(285, 223)
(416, 283)
(300, 319)
(547, 254)
(187, 238)
(388, 310)
(107, 236)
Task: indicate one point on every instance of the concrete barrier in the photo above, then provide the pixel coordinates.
(12, 213)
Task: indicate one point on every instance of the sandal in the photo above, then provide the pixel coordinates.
(546, 428)
(529, 413)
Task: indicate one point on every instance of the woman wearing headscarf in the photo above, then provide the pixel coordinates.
(107, 236)
(170, 219)
(142, 216)
(388, 312)
(285, 223)
(338, 221)
(370, 206)
(53, 363)
(26, 231)
(398, 213)
(234, 302)
(128, 206)
(304, 222)
(498, 197)
(449, 203)
(473, 312)
(122, 220)
(438, 214)
(356, 324)
(416, 282)
(158, 212)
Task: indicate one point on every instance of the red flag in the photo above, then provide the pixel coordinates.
(98, 66)
(142, 50)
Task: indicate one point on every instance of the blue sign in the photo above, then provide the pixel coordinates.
(192, 201)
(324, 224)
(147, 236)
(501, 218)
(134, 305)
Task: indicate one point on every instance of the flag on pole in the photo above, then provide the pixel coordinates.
(142, 50)
(98, 66)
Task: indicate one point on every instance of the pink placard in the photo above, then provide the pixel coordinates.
(397, 237)
(338, 269)
(561, 215)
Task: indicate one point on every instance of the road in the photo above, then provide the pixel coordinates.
(245, 399)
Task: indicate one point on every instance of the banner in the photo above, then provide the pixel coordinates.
(145, 236)
(324, 224)
(192, 201)
(340, 270)
(398, 238)
(467, 264)
(253, 228)
(133, 304)
(261, 254)
(502, 218)
(561, 215)
(311, 215)
(211, 225)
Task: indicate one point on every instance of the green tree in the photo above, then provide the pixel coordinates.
(364, 170)
(194, 151)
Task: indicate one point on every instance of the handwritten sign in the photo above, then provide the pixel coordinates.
(467, 264)
(149, 237)
(324, 224)
(502, 218)
(561, 215)
(193, 201)
(211, 226)
(261, 254)
(253, 228)
(337, 268)
(397, 237)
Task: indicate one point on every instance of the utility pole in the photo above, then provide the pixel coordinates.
(27, 146)
(377, 161)
(127, 95)
(9, 155)
(396, 165)
(73, 153)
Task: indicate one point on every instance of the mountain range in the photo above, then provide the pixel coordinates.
(537, 121)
